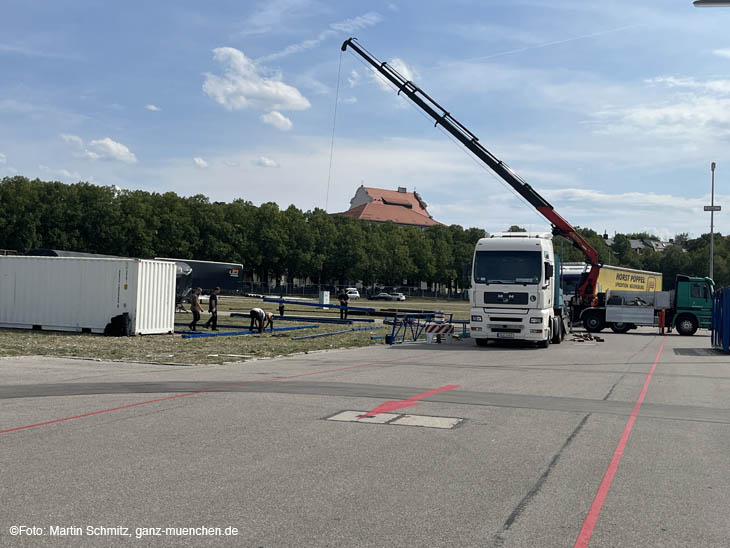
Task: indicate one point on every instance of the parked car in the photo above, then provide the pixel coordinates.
(352, 293)
(383, 296)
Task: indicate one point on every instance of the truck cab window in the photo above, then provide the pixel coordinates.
(698, 291)
(507, 267)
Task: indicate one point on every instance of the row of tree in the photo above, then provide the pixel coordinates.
(268, 241)
(271, 242)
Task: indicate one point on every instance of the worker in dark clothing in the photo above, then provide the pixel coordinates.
(261, 320)
(195, 307)
(344, 299)
(212, 322)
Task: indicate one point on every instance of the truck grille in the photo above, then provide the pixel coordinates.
(500, 319)
(506, 329)
(504, 297)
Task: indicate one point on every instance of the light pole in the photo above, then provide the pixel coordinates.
(712, 208)
(712, 222)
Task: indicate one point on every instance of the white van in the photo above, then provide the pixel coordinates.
(352, 293)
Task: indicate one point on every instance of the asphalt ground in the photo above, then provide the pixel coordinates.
(620, 443)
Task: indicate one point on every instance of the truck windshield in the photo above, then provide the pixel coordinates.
(507, 267)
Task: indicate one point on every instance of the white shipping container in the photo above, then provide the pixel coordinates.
(84, 294)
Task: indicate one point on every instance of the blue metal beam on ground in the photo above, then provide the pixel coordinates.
(321, 335)
(337, 306)
(197, 335)
(335, 333)
(323, 319)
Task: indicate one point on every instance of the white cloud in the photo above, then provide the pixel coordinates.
(63, 173)
(277, 120)
(242, 87)
(721, 87)
(301, 46)
(722, 53)
(107, 149)
(263, 161)
(202, 164)
(353, 79)
(153, 108)
(347, 26)
(3, 158)
(271, 15)
(100, 149)
(72, 140)
(348, 100)
(697, 111)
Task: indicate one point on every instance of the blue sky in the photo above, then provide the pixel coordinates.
(612, 110)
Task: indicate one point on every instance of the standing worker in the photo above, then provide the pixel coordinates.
(212, 322)
(344, 299)
(261, 320)
(195, 307)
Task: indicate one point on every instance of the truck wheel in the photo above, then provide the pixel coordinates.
(593, 321)
(620, 327)
(686, 325)
(482, 342)
(558, 334)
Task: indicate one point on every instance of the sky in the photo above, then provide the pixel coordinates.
(612, 111)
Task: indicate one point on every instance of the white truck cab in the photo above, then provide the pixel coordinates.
(514, 289)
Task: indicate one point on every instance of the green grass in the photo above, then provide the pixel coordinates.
(175, 349)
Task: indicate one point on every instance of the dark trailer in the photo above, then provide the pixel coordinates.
(210, 274)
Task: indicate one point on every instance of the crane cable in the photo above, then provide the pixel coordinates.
(332, 145)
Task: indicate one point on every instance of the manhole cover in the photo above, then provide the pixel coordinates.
(444, 423)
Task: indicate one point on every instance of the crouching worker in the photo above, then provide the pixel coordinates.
(261, 320)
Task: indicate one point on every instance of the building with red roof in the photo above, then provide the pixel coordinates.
(399, 206)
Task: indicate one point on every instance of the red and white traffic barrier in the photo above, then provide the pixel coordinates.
(442, 331)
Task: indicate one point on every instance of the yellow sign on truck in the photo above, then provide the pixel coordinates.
(628, 279)
(615, 278)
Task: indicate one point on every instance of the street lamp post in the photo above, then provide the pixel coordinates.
(712, 208)
(712, 223)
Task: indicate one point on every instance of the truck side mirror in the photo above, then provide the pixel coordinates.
(548, 271)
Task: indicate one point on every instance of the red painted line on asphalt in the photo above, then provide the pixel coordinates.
(584, 537)
(413, 400)
(277, 379)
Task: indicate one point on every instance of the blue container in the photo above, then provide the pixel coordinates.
(721, 319)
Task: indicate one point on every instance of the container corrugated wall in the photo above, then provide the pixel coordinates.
(155, 297)
(75, 294)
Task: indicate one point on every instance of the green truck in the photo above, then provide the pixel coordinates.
(687, 307)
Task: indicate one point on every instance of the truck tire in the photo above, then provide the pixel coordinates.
(482, 342)
(593, 321)
(558, 334)
(620, 327)
(686, 325)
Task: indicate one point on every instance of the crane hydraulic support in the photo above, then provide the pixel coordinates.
(561, 227)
